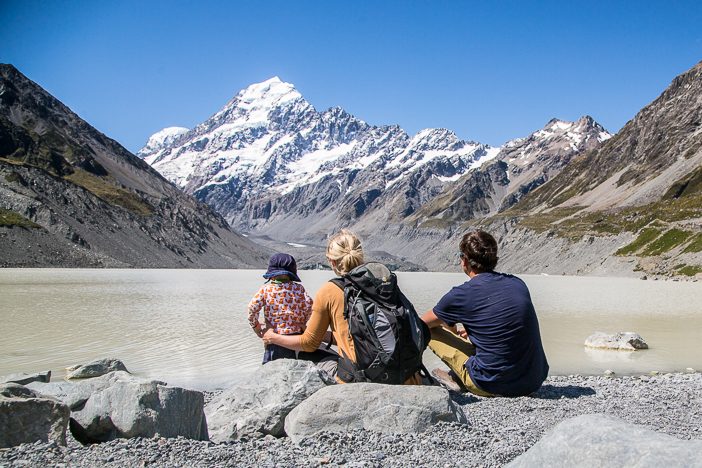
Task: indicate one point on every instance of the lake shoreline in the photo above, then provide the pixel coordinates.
(498, 430)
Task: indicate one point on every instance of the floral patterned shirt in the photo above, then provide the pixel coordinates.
(286, 307)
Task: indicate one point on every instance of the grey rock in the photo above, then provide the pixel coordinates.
(123, 406)
(96, 368)
(389, 409)
(28, 417)
(119, 405)
(605, 441)
(628, 341)
(73, 394)
(24, 378)
(260, 405)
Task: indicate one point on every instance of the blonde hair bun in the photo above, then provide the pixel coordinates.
(345, 249)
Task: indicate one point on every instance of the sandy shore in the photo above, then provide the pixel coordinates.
(499, 430)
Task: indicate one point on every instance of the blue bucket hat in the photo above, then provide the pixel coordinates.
(282, 264)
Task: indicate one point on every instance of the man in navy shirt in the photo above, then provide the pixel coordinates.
(504, 356)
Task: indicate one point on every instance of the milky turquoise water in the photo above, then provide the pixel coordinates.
(188, 327)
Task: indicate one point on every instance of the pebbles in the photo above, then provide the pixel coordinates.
(499, 430)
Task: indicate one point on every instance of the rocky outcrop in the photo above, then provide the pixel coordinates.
(119, 405)
(605, 441)
(627, 341)
(390, 409)
(95, 368)
(27, 416)
(260, 405)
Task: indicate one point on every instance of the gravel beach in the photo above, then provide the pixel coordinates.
(499, 430)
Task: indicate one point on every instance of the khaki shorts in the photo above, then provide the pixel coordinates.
(454, 351)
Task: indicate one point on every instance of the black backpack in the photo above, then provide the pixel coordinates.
(388, 335)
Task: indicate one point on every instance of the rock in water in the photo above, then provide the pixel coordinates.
(260, 405)
(119, 405)
(96, 368)
(27, 417)
(393, 409)
(605, 441)
(24, 379)
(628, 341)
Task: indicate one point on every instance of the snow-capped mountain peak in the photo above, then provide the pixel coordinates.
(560, 136)
(267, 95)
(268, 155)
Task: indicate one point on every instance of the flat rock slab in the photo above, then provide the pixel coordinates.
(24, 378)
(604, 441)
(27, 416)
(626, 341)
(95, 368)
(390, 409)
(260, 405)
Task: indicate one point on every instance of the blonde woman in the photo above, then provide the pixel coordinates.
(344, 253)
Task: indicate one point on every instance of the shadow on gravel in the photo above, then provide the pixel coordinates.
(552, 392)
(464, 398)
(546, 392)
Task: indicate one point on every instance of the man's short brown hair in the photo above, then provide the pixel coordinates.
(480, 250)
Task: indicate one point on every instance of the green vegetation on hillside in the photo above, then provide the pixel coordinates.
(688, 270)
(646, 236)
(687, 186)
(695, 245)
(10, 218)
(548, 220)
(109, 193)
(668, 241)
(574, 223)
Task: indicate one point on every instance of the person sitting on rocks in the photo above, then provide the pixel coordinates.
(344, 253)
(503, 355)
(285, 303)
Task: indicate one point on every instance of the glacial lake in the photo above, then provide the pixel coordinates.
(189, 327)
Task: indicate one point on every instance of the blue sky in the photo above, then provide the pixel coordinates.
(490, 71)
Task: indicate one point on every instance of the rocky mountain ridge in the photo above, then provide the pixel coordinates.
(70, 196)
(643, 186)
(274, 166)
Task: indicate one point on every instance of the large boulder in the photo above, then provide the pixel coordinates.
(72, 394)
(260, 405)
(627, 341)
(27, 417)
(119, 405)
(95, 368)
(24, 378)
(605, 441)
(393, 409)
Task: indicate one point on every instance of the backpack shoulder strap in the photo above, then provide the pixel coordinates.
(338, 281)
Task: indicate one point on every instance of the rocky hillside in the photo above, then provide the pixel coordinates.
(70, 196)
(642, 188)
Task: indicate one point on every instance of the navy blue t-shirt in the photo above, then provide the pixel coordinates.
(497, 312)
